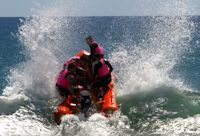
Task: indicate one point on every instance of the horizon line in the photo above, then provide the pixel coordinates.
(103, 16)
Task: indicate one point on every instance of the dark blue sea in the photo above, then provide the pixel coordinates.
(156, 61)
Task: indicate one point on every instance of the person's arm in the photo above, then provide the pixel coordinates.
(95, 66)
(93, 47)
(109, 65)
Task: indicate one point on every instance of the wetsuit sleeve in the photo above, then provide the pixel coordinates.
(109, 65)
(95, 67)
(93, 47)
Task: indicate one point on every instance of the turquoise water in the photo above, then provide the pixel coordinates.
(11, 49)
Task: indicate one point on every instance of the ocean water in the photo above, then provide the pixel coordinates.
(156, 61)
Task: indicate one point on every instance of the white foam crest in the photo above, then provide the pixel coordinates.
(178, 126)
(23, 123)
(12, 103)
(95, 125)
(150, 64)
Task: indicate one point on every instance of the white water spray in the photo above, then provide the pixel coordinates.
(150, 64)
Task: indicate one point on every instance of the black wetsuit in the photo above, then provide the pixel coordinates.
(62, 90)
(93, 46)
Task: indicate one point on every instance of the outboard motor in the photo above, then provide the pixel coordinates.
(85, 100)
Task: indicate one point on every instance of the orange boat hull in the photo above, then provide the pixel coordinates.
(110, 102)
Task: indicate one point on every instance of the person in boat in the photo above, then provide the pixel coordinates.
(66, 86)
(101, 69)
(72, 76)
(86, 65)
(82, 69)
(79, 85)
(94, 47)
(62, 84)
(66, 79)
(75, 60)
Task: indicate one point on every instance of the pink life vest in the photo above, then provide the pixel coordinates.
(104, 70)
(99, 49)
(61, 80)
